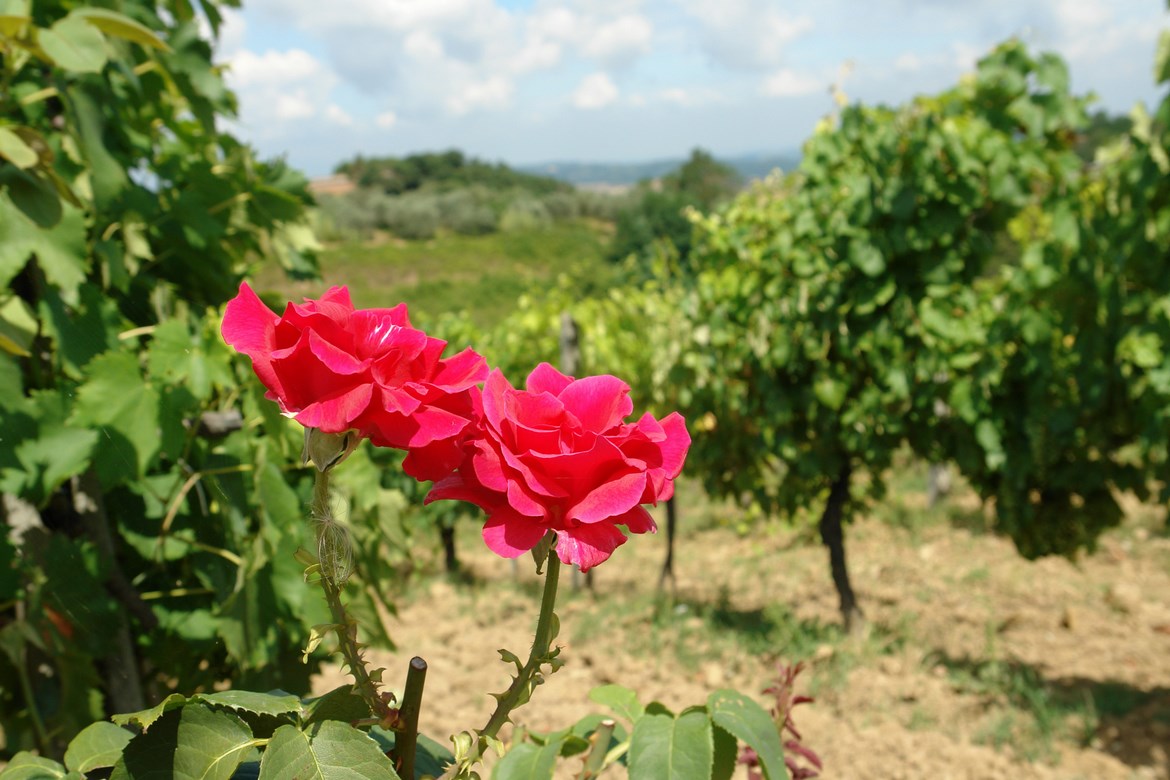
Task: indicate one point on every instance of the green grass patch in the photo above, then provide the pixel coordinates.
(483, 275)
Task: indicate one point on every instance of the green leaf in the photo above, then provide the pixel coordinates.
(830, 392)
(18, 327)
(334, 750)
(192, 743)
(339, 704)
(1162, 59)
(58, 450)
(866, 257)
(623, 701)
(527, 761)
(33, 196)
(147, 718)
(15, 150)
(988, 437)
(120, 26)
(74, 45)
(726, 754)
(99, 745)
(211, 743)
(107, 174)
(748, 722)
(60, 251)
(26, 766)
(665, 748)
(116, 400)
(273, 703)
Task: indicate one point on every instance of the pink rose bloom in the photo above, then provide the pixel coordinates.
(560, 457)
(337, 369)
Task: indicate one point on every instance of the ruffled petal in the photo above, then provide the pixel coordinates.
(611, 498)
(337, 413)
(588, 545)
(250, 327)
(509, 534)
(546, 379)
(599, 402)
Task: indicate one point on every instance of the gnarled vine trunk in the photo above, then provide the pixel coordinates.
(833, 536)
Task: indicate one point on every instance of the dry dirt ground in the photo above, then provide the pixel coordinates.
(977, 663)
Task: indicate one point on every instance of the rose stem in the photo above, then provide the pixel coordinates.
(595, 761)
(344, 625)
(536, 656)
(407, 731)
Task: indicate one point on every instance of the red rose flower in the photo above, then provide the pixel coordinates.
(559, 457)
(335, 368)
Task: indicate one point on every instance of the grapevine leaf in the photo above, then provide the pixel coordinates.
(120, 26)
(74, 45)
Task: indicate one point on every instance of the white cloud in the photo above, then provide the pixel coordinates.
(249, 69)
(748, 34)
(294, 105)
(908, 62)
(386, 120)
(619, 42)
(492, 93)
(281, 86)
(787, 82)
(338, 115)
(690, 97)
(596, 90)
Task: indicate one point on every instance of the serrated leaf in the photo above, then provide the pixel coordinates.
(120, 26)
(274, 703)
(623, 701)
(74, 45)
(665, 748)
(115, 400)
(60, 251)
(191, 743)
(333, 750)
(26, 766)
(147, 718)
(748, 722)
(98, 746)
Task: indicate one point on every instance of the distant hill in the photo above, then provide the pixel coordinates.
(755, 166)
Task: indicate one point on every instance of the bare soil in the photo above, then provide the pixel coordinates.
(976, 663)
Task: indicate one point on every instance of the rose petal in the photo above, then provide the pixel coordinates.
(461, 370)
(509, 534)
(588, 545)
(546, 379)
(637, 520)
(599, 402)
(610, 498)
(249, 326)
(337, 413)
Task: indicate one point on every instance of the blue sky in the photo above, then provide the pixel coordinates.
(529, 81)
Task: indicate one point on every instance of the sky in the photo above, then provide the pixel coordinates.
(533, 81)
